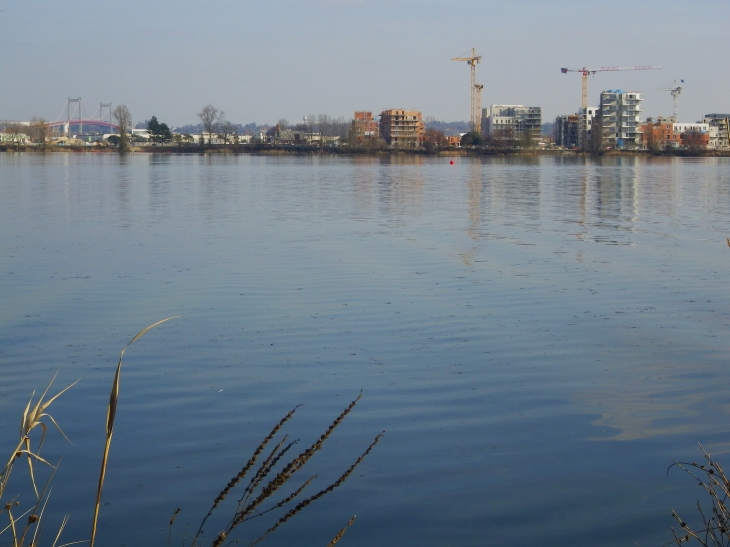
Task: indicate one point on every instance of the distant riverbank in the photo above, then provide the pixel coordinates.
(276, 149)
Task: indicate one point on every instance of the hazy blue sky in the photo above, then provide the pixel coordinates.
(263, 60)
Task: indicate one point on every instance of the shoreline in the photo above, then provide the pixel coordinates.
(266, 149)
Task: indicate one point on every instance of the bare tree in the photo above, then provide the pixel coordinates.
(694, 140)
(310, 121)
(16, 132)
(210, 117)
(324, 124)
(225, 130)
(124, 120)
(39, 131)
(434, 140)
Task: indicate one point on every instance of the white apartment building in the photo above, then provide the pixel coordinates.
(511, 119)
(720, 123)
(620, 119)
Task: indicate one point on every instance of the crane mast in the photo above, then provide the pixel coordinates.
(476, 89)
(676, 91)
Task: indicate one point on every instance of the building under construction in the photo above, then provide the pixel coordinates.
(365, 128)
(402, 128)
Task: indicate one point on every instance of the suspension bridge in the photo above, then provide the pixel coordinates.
(74, 120)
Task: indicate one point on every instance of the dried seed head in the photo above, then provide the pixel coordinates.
(33, 518)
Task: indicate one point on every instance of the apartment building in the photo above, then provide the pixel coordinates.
(585, 126)
(565, 131)
(620, 119)
(721, 123)
(402, 128)
(511, 120)
(365, 127)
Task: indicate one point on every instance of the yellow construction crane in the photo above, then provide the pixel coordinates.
(476, 89)
(676, 91)
(588, 71)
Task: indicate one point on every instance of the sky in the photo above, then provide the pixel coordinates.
(263, 61)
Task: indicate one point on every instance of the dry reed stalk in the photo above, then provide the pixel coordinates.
(715, 529)
(111, 414)
(169, 528)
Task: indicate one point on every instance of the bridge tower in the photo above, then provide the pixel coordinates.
(103, 113)
(73, 115)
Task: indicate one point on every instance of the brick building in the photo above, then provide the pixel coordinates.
(365, 128)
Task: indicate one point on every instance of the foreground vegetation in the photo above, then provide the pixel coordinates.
(265, 486)
(713, 529)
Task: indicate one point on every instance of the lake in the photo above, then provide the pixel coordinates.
(539, 337)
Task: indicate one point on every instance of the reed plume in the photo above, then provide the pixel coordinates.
(31, 520)
(266, 482)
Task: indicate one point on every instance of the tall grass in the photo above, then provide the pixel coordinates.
(265, 485)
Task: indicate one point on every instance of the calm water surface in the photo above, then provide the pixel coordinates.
(539, 337)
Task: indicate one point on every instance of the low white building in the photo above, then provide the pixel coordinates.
(697, 126)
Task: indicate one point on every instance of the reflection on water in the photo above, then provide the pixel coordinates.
(501, 315)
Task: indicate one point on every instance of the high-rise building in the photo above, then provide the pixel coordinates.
(402, 128)
(620, 119)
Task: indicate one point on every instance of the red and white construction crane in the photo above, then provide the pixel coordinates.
(588, 71)
(476, 89)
